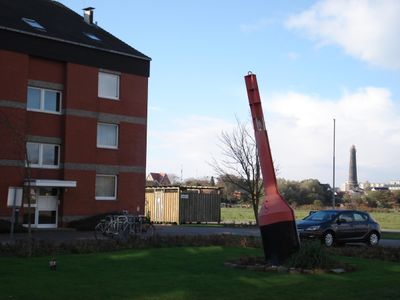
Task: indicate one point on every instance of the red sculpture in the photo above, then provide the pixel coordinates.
(276, 218)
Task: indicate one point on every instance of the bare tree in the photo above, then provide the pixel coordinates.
(19, 140)
(240, 165)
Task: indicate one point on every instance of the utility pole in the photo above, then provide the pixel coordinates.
(333, 175)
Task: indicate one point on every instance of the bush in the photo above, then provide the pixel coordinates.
(5, 227)
(43, 248)
(312, 255)
(381, 253)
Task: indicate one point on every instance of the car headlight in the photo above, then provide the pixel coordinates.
(313, 228)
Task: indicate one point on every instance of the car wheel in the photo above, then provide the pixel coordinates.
(373, 239)
(328, 239)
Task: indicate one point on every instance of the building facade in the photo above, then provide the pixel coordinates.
(73, 115)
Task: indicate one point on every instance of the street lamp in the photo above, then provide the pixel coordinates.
(333, 167)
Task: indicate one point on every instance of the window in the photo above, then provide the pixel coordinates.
(359, 217)
(44, 100)
(107, 135)
(108, 85)
(43, 155)
(106, 187)
(346, 217)
(33, 24)
(92, 36)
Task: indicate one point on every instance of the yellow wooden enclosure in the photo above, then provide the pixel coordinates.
(183, 204)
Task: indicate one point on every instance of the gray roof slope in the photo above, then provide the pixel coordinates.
(60, 23)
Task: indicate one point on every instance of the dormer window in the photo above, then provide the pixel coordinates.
(91, 36)
(33, 24)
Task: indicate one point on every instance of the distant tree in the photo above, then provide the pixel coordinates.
(313, 190)
(291, 191)
(240, 165)
(174, 179)
(354, 199)
(367, 186)
(381, 199)
(228, 189)
(396, 196)
(212, 181)
(196, 181)
(305, 192)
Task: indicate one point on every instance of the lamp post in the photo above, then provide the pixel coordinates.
(333, 167)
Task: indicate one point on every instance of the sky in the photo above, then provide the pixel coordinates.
(315, 61)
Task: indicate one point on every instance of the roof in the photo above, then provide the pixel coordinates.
(159, 178)
(55, 24)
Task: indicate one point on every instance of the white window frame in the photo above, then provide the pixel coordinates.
(117, 136)
(109, 74)
(115, 188)
(42, 98)
(40, 164)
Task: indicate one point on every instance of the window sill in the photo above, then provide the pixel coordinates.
(107, 147)
(45, 111)
(106, 198)
(108, 98)
(42, 167)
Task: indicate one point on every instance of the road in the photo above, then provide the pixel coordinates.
(71, 235)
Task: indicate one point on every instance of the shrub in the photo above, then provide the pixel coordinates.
(382, 253)
(5, 227)
(312, 255)
(43, 248)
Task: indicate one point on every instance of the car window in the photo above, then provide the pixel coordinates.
(321, 216)
(346, 217)
(359, 217)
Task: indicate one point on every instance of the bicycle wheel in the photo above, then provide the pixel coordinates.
(99, 230)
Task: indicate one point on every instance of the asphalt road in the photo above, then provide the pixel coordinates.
(70, 235)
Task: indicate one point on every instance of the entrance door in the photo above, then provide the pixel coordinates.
(44, 212)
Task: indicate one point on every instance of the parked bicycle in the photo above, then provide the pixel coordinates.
(123, 226)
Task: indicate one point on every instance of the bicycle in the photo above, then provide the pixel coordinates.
(123, 226)
(114, 226)
(144, 227)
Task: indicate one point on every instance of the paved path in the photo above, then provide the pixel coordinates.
(65, 235)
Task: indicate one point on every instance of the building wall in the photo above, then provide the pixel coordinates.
(76, 128)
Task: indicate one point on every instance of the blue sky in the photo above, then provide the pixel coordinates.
(314, 60)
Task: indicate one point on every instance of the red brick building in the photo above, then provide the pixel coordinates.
(73, 114)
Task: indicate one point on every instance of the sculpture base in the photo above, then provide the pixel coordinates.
(280, 240)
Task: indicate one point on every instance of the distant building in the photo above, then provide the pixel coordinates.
(73, 110)
(393, 185)
(157, 179)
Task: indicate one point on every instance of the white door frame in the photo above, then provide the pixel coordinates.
(44, 203)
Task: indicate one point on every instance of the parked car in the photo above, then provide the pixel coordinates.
(339, 227)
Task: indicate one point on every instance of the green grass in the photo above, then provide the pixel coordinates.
(185, 273)
(387, 220)
(391, 235)
(390, 220)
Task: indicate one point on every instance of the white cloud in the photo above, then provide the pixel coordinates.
(366, 29)
(300, 129)
(301, 134)
(189, 143)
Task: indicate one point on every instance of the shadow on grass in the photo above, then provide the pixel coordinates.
(185, 273)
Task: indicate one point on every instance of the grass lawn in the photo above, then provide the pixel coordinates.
(389, 220)
(185, 273)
